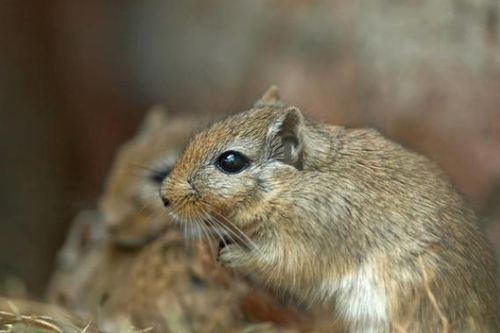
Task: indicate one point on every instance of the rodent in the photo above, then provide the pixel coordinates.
(131, 214)
(339, 216)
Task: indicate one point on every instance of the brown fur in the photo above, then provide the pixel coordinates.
(324, 204)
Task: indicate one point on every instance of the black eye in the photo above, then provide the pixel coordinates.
(232, 162)
(159, 175)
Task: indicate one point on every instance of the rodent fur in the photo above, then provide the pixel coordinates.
(340, 216)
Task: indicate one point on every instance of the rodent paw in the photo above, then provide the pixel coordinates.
(230, 255)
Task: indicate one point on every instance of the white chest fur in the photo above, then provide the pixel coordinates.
(360, 301)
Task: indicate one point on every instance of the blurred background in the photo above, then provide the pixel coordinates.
(77, 76)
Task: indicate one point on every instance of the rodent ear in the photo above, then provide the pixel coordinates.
(284, 139)
(156, 118)
(270, 97)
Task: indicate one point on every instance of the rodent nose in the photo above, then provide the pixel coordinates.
(166, 202)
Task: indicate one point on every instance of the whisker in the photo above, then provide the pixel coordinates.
(139, 173)
(143, 167)
(228, 231)
(137, 170)
(225, 230)
(143, 208)
(207, 237)
(190, 232)
(214, 227)
(213, 220)
(243, 237)
(218, 233)
(161, 215)
(152, 194)
(184, 234)
(178, 179)
(156, 216)
(194, 230)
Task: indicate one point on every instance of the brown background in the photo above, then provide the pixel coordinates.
(76, 77)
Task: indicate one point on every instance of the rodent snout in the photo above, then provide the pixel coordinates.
(165, 200)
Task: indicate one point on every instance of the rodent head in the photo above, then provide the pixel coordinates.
(224, 171)
(130, 214)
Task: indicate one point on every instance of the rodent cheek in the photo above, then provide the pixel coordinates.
(276, 172)
(230, 192)
(116, 212)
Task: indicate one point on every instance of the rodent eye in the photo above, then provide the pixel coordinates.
(157, 176)
(232, 162)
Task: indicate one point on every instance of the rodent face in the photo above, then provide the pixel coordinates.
(128, 207)
(131, 212)
(224, 170)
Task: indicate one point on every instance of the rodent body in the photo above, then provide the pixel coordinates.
(338, 216)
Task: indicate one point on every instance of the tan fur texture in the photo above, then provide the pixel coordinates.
(340, 216)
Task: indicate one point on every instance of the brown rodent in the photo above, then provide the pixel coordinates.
(131, 212)
(340, 216)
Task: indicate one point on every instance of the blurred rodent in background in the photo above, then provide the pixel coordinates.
(130, 206)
